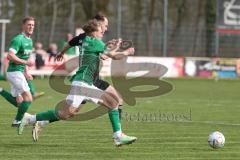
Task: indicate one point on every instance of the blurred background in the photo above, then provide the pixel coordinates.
(158, 28)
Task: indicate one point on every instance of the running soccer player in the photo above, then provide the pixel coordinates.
(82, 85)
(101, 84)
(19, 52)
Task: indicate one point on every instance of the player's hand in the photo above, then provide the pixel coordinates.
(118, 42)
(130, 51)
(29, 77)
(111, 42)
(59, 57)
(29, 63)
(104, 57)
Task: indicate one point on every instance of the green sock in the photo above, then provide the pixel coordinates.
(9, 98)
(50, 115)
(114, 118)
(32, 89)
(23, 107)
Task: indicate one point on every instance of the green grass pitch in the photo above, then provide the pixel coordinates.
(174, 126)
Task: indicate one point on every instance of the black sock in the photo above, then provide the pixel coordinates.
(120, 111)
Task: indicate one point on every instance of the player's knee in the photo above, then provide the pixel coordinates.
(114, 94)
(63, 115)
(19, 99)
(110, 102)
(115, 104)
(27, 96)
(71, 113)
(120, 101)
(67, 112)
(30, 97)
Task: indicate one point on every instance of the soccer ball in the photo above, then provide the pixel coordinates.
(216, 140)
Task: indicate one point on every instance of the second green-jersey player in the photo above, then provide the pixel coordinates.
(22, 46)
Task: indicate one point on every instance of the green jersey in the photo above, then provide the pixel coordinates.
(89, 60)
(22, 46)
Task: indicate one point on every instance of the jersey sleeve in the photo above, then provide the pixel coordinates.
(15, 45)
(77, 41)
(100, 47)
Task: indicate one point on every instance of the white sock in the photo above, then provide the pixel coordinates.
(43, 123)
(32, 119)
(117, 134)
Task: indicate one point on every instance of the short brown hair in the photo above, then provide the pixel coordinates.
(100, 16)
(27, 19)
(91, 26)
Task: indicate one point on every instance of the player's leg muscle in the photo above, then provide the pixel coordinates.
(109, 101)
(111, 90)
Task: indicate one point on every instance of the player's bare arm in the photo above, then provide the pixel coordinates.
(12, 57)
(27, 74)
(60, 55)
(115, 55)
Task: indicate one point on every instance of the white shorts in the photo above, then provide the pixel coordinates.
(81, 91)
(18, 83)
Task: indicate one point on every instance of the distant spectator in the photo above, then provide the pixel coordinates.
(52, 51)
(40, 55)
(70, 51)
